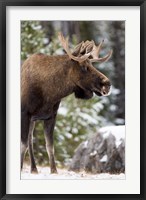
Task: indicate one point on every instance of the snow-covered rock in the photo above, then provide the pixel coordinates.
(104, 152)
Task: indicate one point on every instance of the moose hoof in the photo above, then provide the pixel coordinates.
(34, 171)
(54, 171)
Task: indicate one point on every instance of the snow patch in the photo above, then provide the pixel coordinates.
(88, 118)
(98, 106)
(93, 153)
(85, 144)
(62, 111)
(119, 121)
(117, 131)
(106, 134)
(59, 52)
(113, 108)
(45, 40)
(104, 158)
(68, 135)
(76, 139)
(74, 130)
(118, 142)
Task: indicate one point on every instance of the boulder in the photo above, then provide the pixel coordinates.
(104, 152)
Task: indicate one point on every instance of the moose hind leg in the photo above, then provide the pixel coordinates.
(30, 147)
(23, 151)
(24, 135)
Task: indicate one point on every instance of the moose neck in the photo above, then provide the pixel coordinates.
(59, 79)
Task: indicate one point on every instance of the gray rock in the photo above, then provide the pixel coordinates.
(104, 152)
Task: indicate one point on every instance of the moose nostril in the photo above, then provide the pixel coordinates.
(104, 92)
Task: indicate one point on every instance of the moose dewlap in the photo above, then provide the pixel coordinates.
(45, 80)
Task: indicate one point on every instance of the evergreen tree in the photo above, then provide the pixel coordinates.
(32, 38)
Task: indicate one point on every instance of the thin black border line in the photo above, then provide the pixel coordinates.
(72, 2)
(141, 99)
(3, 103)
(144, 110)
(3, 5)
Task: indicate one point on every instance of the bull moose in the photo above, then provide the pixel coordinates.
(46, 79)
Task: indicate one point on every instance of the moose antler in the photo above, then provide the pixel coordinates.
(84, 50)
(95, 53)
(64, 43)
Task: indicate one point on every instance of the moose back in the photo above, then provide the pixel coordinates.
(45, 80)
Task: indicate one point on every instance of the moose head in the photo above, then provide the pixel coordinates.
(86, 78)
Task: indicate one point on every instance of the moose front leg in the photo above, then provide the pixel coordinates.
(48, 130)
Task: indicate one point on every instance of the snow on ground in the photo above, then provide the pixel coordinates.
(44, 173)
